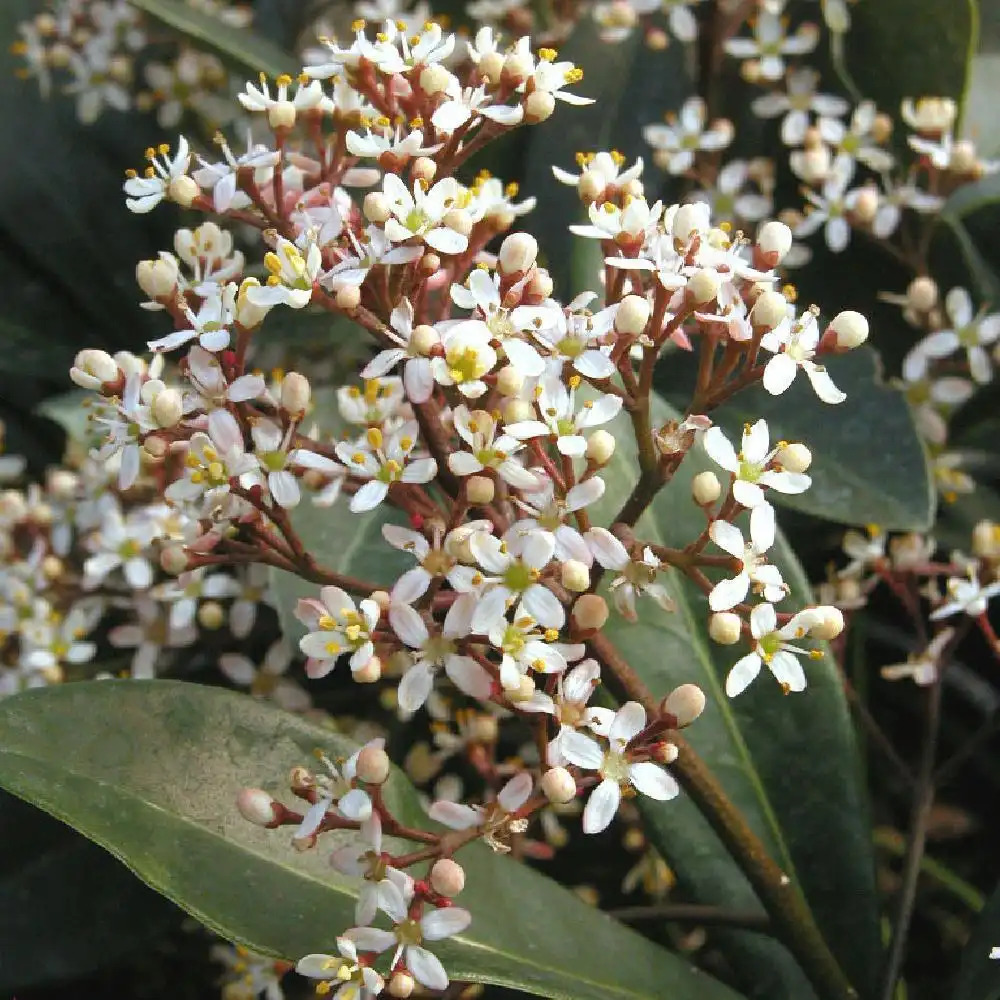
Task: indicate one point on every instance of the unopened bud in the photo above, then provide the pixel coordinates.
(401, 985)
(434, 79)
(539, 105)
(52, 567)
(688, 219)
(424, 339)
(480, 490)
(516, 410)
(430, 263)
(665, 753)
(685, 703)
(986, 540)
(256, 806)
(173, 559)
(348, 298)
(509, 381)
(922, 294)
(539, 286)
(591, 186)
(590, 612)
(491, 66)
(211, 615)
(964, 159)
(703, 285)
(168, 407)
(851, 329)
(706, 488)
(372, 765)
(281, 114)
(600, 447)
(633, 315)
(484, 728)
(376, 207)
(383, 599)
(769, 310)
(775, 238)
(157, 278)
(866, 204)
(575, 575)
(295, 393)
(518, 253)
(881, 128)
(183, 190)
(447, 877)
(91, 368)
(517, 66)
(830, 625)
(423, 168)
(794, 457)
(559, 785)
(724, 627)
(369, 671)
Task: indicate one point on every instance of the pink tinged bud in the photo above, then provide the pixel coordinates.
(704, 285)
(706, 488)
(685, 704)
(183, 190)
(539, 286)
(295, 393)
(430, 263)
(518, 253)
(434, 79)
(447, 877)
(281, 114)
(922, 294)
(376, 207)
(633, 315)
(539, 105)
(348, 298)
(369, 671)
(724, 627)
(382, 598)
(509, 381)
(517, 66)
(775, 238)
(491, 66)
(600, 447)
(830, 624)
(559, 785)
(665, 753)
(423, 168)
(480, 490)
(373, 765)
(851, 329)
(401, 985)
(590, 612)
(91, 368)
(575, 575)
(168, 407)
(769, 310)
(794, 457)
(173, 559)
(256, 806)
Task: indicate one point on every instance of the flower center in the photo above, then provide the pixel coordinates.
(769, 645)
(570, 347)
(615, 767)
(408, 933)
(464, 365)
(750, 472)
(518, 577)
(968, 336)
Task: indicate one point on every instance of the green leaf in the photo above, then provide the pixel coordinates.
(788, 762)
(979, 975)
(869, 464)
(158, 787)
(238, 46)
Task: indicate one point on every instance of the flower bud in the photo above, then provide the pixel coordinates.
(830, 625)
(430, 264)
(480, 490)
(688, 219)
(423, 168)
(633, 315)
(249, 315)
(964, 159)
(539, 286)
(703, 285)
(424, 339)
(775, 238)
(484, 728)
(881, 128)
(851, 329)
(538, 106)
(986, 540)
(383, 599)
(348, 298)
(516, 410)
(459, 220)
(769, 310)
(685, 703)
(295, 393)
(434, 79)
(157, 278)
(575, 575)
(517, 66)
(183, 190)
(559, 785)
(491, 66)
(376, 207)
(13, 506)
(173, 559)
(866, 204)
(509, 381)
(447, 877)
(794, 457)
(211, 615)
(373, 765)
(256, 806)
(518, 253)
(724, 627)
(600, 447)
(521, 690)
(922, 294)
(665, 753)
(61, 483)
(91, 368)
(591, 186)
(168, 407)
(401, 985)
(369, 671)
(281, 114)
(590, 612)
(706, 488)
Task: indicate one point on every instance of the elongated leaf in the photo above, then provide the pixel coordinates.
(239, 46)
(789, 763)
(157, 789)
(979, 975)
(868, 462)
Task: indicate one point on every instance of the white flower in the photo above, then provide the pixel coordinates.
(771, 646)
(495, 818)
(468, 356)
(212, 388)
(268, 680)
(801, 99)
(858, 141)
(353, 981)
(829, 209)
(865, 550)
(209, 324)
(750, 468)
(607, 165)
(122, 544)
(972, 331)
(794, 344)
(365, 861)
(769, 44)
(130, 418)
(754, 567)
(421, 213)
(524, 648)
(922, 667)
(478, 429)
(636, 576)
(551, 77)
(578, 337)
(472, 102)
(383, 462)
(388, 141)
(149, 636)
(339, 627)
(633, 224)
(967, 595)
(221, 178)
(51, 641)
(160, 179)
(291, 276)
(374, 248)
(307, 96)
(679, 141)
(336, 787)
(616, 768)
(728, 199)
(184, 593)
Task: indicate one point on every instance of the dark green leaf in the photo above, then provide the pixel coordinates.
(158, 788)
(239, 46)
(979, 975)
(788, 762)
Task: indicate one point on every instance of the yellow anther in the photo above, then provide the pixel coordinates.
(374, 436)
(549, 55)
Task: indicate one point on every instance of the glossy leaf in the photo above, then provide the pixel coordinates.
(239, 46)
(158, 788)
(979, 974)
(788, 762)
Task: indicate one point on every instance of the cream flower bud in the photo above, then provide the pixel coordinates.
(155, 447)
(830, 625)
(373, 765)
(775, 238)
(521, 690)
(211, 615)
(964, 159)
(447, 877)
(539, 286)
(591, 186)
(256, 806)
(685, 703)
(633, 315)
(706, 488)
(866, 203)
(348, 298)
(459, 220)
(539, 105)
(369, 671)
(13, 506)
(430, 263)
(157, 278)
(559, 785)
(52, 567)
(665, 753)
(704, 285)
(173, 559)
(480, 490)
(882, 128)
(600, 447)
(376, 207)
(401, 985)
(424, 339)
(922, 294)
(61, 483)
(851, 329)
(794, 457)
(249, 315)
(383, 599)
(491, 66)
(590, 612)
(687, 220)
(183, 190)
(92, 367)
(575, 575)
(516, 410)
(281, 114)
(986, 540)
(295, 393)
(168, 407)
(517, 66)
(769, 310)
(434, 79)
(509, 381)
(484, 728)
(423, 168)
(724, 627)
(518, 253)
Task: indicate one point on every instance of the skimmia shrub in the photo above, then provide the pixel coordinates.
(494, 522)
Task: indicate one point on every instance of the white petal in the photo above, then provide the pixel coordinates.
(415, 687)
(630, 720)
(653, 781)
(443, 923)
(426, 968)
(601, 806)
(727, 594)
(742, 673)
(356, 805)
(581, 750)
